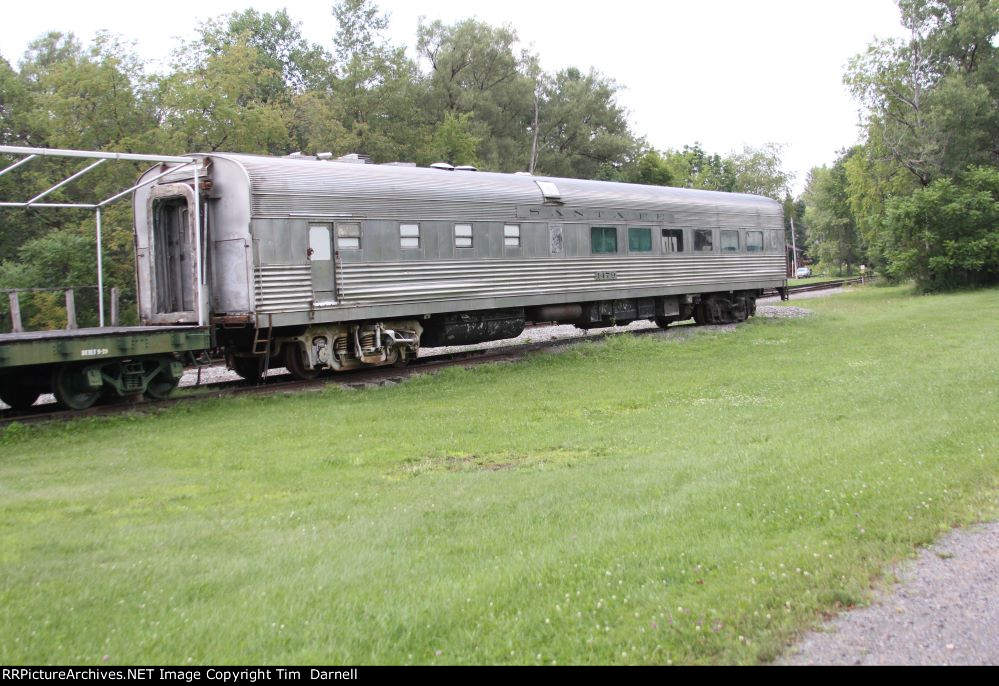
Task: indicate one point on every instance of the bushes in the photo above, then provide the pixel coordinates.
(946, 235)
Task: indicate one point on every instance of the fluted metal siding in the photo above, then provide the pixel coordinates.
(407, 282)
(295, 190)
(283, 288)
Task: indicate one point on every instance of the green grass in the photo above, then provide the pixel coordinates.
(645, 500)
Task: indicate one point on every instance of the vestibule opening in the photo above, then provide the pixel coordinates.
(173, 250)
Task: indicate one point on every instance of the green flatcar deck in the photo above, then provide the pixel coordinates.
(94, 344)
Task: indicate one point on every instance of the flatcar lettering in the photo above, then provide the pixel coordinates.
(94, 352)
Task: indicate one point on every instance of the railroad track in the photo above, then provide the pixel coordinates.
(820, 286)
(358, 378)
(284, 383)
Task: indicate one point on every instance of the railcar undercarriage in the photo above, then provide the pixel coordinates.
(307, 351)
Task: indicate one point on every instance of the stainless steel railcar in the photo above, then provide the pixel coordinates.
(315, 264)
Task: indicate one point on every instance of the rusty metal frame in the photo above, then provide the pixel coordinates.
(28, 154)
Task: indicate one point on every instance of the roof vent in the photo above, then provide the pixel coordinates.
(442, 165)
(352, 158)
(550, 191)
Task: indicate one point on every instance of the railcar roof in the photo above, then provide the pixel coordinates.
(291, 176)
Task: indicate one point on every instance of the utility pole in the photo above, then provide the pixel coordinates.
(794, 251)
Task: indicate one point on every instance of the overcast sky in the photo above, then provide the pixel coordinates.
(722, 72)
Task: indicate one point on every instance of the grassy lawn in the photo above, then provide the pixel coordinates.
(696, 499)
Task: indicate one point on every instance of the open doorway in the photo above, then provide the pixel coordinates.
(174, 257)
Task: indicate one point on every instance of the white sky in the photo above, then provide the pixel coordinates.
(722, 72)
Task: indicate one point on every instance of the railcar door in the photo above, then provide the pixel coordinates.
(173, 245)
(323, 265)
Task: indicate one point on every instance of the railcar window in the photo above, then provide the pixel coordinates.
(319, 242)
(703, 240)
(348, 236)
(463, 235)
(639, 239)
(672, 240)
(603, 239)
(730, 241)
(775, 242)
(409, 235)
(754, 241)
(511, 235)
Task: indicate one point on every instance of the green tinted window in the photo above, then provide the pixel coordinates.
(603, 239)
(640, 240)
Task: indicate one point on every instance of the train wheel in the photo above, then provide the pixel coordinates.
(161, 387)
(294, 363)
(250, 368)
(700, 314)
(663, 322)
(70, 389)
(398, 357)
(16, 394)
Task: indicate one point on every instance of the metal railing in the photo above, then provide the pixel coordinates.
(28, 154)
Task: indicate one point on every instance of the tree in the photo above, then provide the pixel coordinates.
(759, 171)
(651, 168)
(229, 101)
(931, 113)
(932, 102)
(832, 231)
(692, 167)
(475, 69)
(582, 130)
(68, 96)
(378, 90)
(454, 140)
(946, 234)
(297, 64)
(871, 181)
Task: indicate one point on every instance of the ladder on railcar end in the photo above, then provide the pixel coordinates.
(262, 345)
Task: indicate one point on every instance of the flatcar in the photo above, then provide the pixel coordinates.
(82, 365)
(316, 264)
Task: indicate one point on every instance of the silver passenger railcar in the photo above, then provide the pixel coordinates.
(315, 264)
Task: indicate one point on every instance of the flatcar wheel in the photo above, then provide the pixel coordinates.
(250, 368)
(295, 365)
(69, 390)
(17, 395)
(161, 387)
(663, 322)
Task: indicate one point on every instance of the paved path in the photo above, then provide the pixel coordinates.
(943, 611)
